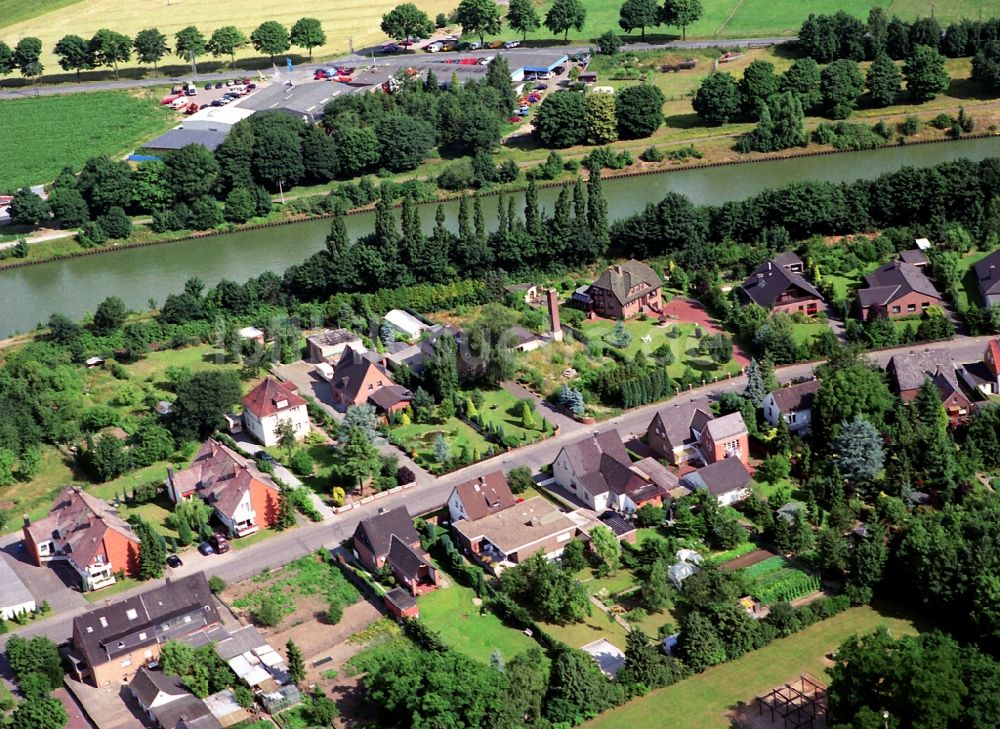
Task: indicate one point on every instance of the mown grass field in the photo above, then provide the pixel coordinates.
(450, 611)
(41, 135)
(344, 21)
(701, 701)
(17, 11)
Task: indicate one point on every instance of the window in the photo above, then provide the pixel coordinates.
(911, 307)
(104, 622)
(792, 416)
(896, 310)
(131, 614)
(142, 636)
(925, 305)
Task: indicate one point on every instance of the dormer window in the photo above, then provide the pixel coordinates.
(281, 404)
(131, 614)
(104, 622)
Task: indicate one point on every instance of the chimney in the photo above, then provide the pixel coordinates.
(27, 520)
(555, 328)
(617, 269)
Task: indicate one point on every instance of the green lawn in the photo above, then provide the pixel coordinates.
(969, 290)
(500, 407)
(38, 143)
(595, 627)
(417, 439)
(684, 346)
(701, 701)
(121, 585)
(803, 333)
(155, 512)
(450, 611)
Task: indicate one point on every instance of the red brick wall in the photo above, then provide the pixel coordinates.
(30, 545)
(122, 553)
(264, 501)
(793, 306)
(366, 556)
(717, 451)
(903, 302)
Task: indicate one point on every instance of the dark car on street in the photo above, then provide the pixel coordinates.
(219, 543)
(174, 561)
(206, 549)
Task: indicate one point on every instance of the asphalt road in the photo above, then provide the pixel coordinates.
(281, 549)
(305, 71)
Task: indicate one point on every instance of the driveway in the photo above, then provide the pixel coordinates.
(565, 423)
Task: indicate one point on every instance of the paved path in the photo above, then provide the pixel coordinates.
(239, 564)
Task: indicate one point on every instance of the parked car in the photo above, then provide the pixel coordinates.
(496, 44)
(512, 44)
(219, 543)
(219, 84)
(218, 102)
(191, 91)
(191, 108)
(174, 561)
(524, 111)
(559, 70)
(169, 99)
(541, 87)
(390, 48)
(264, 456)
(179, 103)
(208, 86)
(206, 549)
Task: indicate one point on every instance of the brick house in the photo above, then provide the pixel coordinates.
(111, 642)
(688, 431)
(86, 533)
(897, 289)
(390, 539)
(622, 291)
(512, 535)
(271, 403)
(358, 380)
(244, 498)
(778, 285)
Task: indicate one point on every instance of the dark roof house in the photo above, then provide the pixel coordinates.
(779, 283)
(897, 289)
(726, 479)
(988, 278)
(628, 281)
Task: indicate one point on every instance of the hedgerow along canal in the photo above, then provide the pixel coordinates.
(75, 286)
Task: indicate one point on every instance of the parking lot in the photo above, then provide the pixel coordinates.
(211, 94)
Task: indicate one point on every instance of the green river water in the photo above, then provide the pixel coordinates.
(74, 286)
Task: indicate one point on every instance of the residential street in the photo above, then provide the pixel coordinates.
(431, 493)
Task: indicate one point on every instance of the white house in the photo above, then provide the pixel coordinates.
(271, 403)
(406, 323)
(15, 597)
(793, 403)
(480, 497)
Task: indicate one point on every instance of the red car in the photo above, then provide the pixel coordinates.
(170, 99)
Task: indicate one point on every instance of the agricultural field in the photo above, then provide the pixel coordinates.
(347, 22)
(17, 11)
(777, 579)
(41, 135)
(701, 702)
(307, 585)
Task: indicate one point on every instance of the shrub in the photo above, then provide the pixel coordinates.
(301, 463)
(941, 121)
(653, 154)
(910, 126)
(216, 584)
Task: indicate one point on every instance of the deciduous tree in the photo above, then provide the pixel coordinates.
(225, 41)
(639, 110)
(564, 15)
(681, 14)
(150, 46)
(307, 33)
(109, 48)
(883, 80)
(74, 54)
(407, 21)
(522, 17)
(638, 14)
(925, 73)
(717, 100)
(478, 17)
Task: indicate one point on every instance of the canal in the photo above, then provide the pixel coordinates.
(75, 286)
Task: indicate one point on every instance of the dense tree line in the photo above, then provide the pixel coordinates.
(569, 118)
(826, 38)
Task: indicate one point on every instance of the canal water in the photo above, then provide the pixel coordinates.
(75, 286)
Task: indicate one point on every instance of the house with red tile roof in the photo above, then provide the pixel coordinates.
(244, 498)
(480, 497)
(622, 291)
(86, 533)
(271, 403)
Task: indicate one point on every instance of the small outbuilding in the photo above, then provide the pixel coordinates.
(15, 597)
(404, 322)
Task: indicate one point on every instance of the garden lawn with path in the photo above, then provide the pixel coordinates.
(681, 337)
(701, 702)
(450, 611)
(417, 440)
(501, 408)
